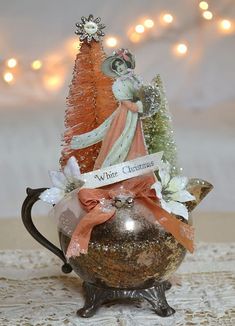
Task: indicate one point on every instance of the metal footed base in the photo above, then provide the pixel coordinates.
(95, 296)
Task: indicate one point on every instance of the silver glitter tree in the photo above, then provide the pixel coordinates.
(158, 131)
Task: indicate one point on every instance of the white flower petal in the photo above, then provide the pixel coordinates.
(164, 165)
(164, 173)
(52, 195)
(178, 208)
(58, 179)
(182, 196)
(165, 206)
(72, 170)
(177, 183)
(158, 189)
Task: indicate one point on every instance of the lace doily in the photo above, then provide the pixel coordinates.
(33, 291)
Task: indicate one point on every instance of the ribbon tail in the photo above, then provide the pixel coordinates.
(181, 231)
(81, 236)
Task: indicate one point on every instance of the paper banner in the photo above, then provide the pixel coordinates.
(122, 171)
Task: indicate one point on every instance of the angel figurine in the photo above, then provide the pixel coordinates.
(121, 133)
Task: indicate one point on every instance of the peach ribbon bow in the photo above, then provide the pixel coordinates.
(92, 199)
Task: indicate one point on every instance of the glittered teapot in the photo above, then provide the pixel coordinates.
(129, 255)
(122, 242)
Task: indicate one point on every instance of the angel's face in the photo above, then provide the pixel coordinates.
(121, 67)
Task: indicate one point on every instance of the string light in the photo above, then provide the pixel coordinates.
(181, 49)
(225, 24)
(111, 42)
(167, 18)
(207, 15)
(72, 47)
(134, 37)
(203, 5)
(53, 82)
(148, 23)
(8, 77)
(11, 63)
(139, 29)
(36, 64)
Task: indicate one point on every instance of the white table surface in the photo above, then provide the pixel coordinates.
(33, 291)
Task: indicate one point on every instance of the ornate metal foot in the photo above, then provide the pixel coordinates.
(156, 297)
(167, 285)
(95, 296)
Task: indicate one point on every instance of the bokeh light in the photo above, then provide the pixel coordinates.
(207, 15)
(203, 5)
(139, 29)
(111, 41)
(135, 37)
(36, 64)
(11, 63)
(181, 49)
(53, 82)
(72, 46)
(148, 23)
(167, 18)
(8, 77)
(225, 24)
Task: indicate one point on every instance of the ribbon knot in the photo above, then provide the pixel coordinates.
(123, 54)
(98, 204)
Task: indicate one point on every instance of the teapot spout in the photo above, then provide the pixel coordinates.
(199, 189)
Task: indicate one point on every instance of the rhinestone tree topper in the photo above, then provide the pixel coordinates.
(90, 28)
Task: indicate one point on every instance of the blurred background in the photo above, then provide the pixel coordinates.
(191, 44)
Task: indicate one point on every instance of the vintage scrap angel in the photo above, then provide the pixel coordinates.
(121, 133)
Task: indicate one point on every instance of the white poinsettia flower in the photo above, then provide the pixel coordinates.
(164, 173)
(171, 192)
(63, 182)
